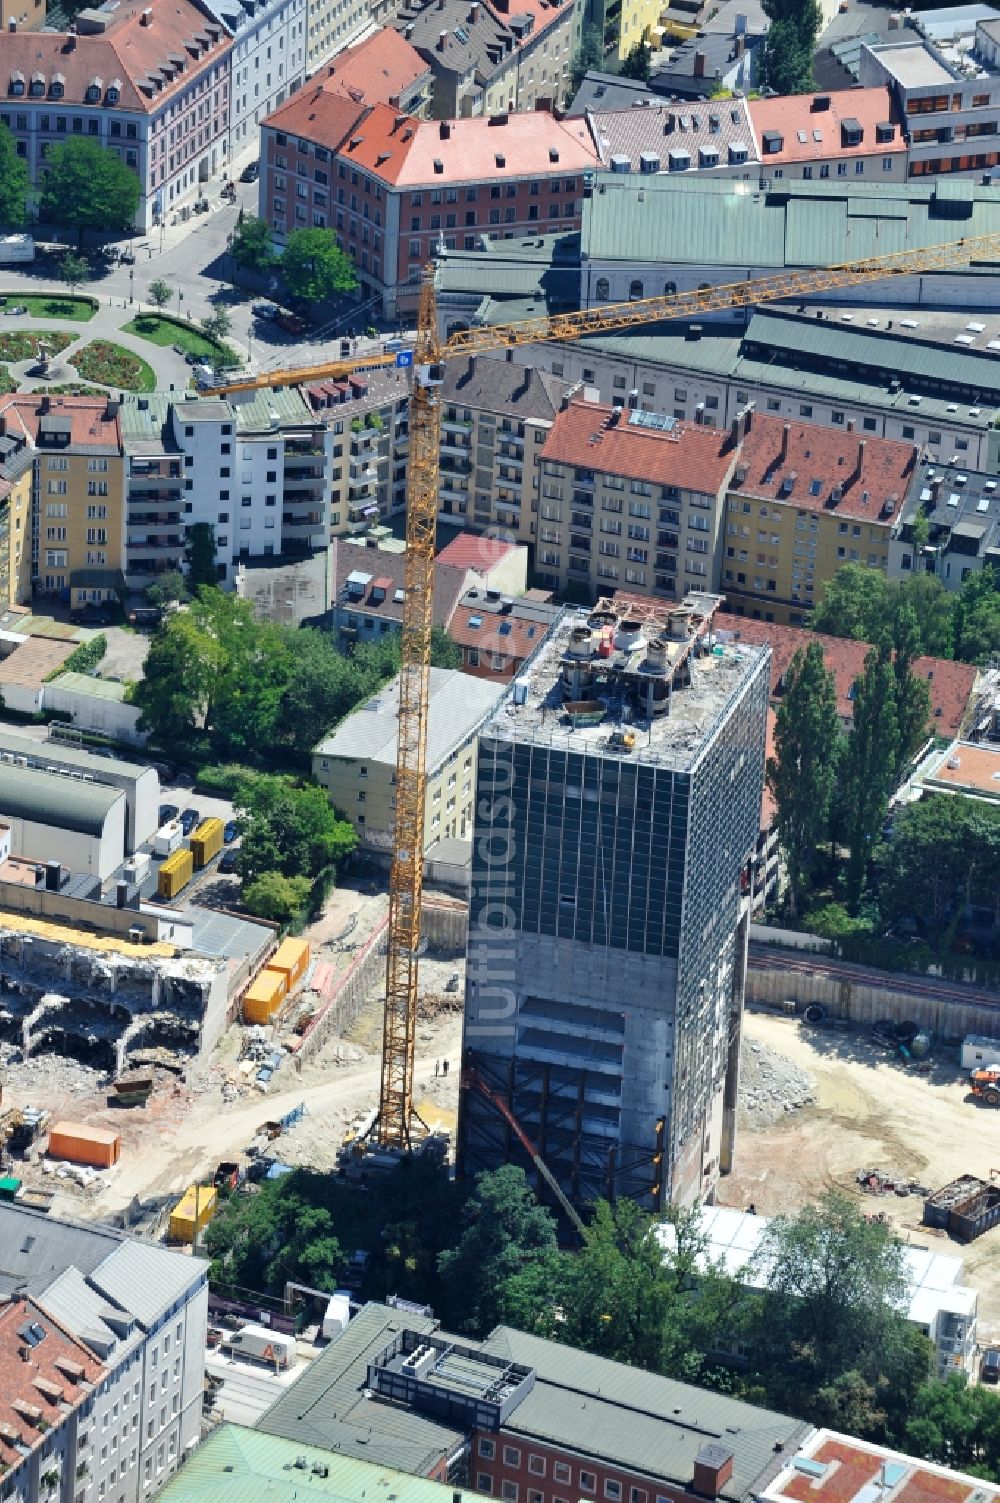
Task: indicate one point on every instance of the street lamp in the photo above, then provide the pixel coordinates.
(180, 299)
(131, 281)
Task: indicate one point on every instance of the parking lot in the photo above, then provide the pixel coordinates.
(247, 1389)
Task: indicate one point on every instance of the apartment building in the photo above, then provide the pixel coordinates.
(948, 524)
(366, 416)
(121, 1330)
(383, 69)
(495, 417)
(683, 136)
(367, 592)
(497, 636)
(393, 187)
(151, 84)
(490, 58)
(617, 811)
(256, 471)
(356, 762)
(804, 500)
(268, 62)
(630, 500)
(947, 89)
(64, 461)
(853, 134)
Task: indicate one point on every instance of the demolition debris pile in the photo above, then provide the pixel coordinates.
(771, 1086)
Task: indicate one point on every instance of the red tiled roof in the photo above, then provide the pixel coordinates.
(405, 155)
(768, 806)
(378, 70)
(688, 456)
(518, 640)
(317, 114)
(90, 427)
(125, 55)
(470, 551)
(872, 473)
(63, 1366)
(795, 115)
(386, 570)
(950, 684)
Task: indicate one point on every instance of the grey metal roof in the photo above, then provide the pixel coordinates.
(497, 386)
(606, 91)
(90, 1317)
(70, 756)
(327, 1406)
(145, 1280)
(47, 798)
(639, 1420)
(222, 935)
(458, 706)
(35, 1249)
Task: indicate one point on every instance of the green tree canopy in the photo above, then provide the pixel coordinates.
(252, 247)
(789, 46)
(87, 186)
(589, 56)
(166, 588)
(73, 270)
(957, 1426)
(870, 761)
(13, 182)
(638, 62)
(977, 617)
(275, 897)
(288, 827)
(802, 773)
(503, 1229)
(217, 325)
(314, 267)
(199, 551)
(179, 673)
(942, 851)
(159, 292)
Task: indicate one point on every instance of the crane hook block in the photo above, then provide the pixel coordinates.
(431, 375)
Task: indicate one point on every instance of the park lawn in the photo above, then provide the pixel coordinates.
(78, 310)
(170, 331)
(17, 344)
(111, 365)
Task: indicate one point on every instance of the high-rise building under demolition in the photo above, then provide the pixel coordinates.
(618, 803)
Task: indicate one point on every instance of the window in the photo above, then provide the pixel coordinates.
(511, 1456)
(561, 1471)
(487, 1447)
(509, 1491)
(613, 1490)
(602, 289)
(536, 1465)
(588, 1482)
(484, 1482)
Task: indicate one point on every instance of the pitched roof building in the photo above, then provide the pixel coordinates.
(368, 591)
(649, 137)
(498, 636)
(382, 69)
(828, 135)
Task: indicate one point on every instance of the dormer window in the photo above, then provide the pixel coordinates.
(94, 91)
(114, 93)
(57, 87)
(37, 87)
(17, 84)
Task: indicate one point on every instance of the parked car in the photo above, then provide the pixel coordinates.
(227, 866)
(190, 358)
(250, 173)
(989, 1371)
(230, 831)
(291, 323)
(167, 813)
(265, 310)
(189, 819)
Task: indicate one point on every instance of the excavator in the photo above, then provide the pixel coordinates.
(397, 1126)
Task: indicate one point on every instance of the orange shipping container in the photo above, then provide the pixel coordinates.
(291, 958)
(84, 1145)
(263, 996)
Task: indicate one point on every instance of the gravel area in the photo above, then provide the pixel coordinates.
(770, 1085)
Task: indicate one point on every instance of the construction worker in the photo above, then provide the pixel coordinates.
(437, 1068)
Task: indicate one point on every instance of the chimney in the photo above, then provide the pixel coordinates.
(741, 24)
(444, 130)
(12, 24)
(699, 65)
(786, 430)
(121, 894)
(442, 38)
(850, 425)
(740, 45)
(713, 1468)
(70, 43)
(408, 30)
(3, 425)
(860, 461)
(53, 874)
(472, 366)
(146, 19)
(474, 12)
(45, 405)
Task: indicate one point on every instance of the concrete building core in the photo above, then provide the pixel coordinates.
(618, 802)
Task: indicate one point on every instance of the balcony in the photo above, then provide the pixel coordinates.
(154, 518)
(580, 567)
(302, 472)
(456, 425)
(156, 497)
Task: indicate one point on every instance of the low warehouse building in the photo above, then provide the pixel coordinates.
(141, 785)
(58, 817)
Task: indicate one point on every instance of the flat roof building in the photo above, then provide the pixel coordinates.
(619, 793)
(961, 508)
(54, 816)
(141, 785)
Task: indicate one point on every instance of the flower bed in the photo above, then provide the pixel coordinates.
(110, 365)
(22, 344)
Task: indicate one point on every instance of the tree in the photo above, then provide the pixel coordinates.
(589, 56)
(943, 851)
(913, 700)
(280, 899)
(87, 186)
(934, 607)
(504, 1228)
(957, 1426)
(869, 765)
(853, 604)
(217, 325)
(166, 588)
(159, 293)
(289, 828)
(802, 773)
(977, 617)
(829, 1335)
(314, 267)
(13, 182)
(176, 684)
(199, 552)
(638, 62)
(252, 247)
(73, 270)
(790, 43)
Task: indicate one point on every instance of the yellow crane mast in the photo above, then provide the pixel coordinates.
(397, 1123)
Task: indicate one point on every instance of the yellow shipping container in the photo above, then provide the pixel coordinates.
(263, 997)
(192, 1212)
(175, 873)
(206, 841)
(291, 958)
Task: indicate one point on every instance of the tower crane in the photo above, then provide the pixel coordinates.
(397, 1126)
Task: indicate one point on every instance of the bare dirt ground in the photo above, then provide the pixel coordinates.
(190, 1124)
(871, 1113)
